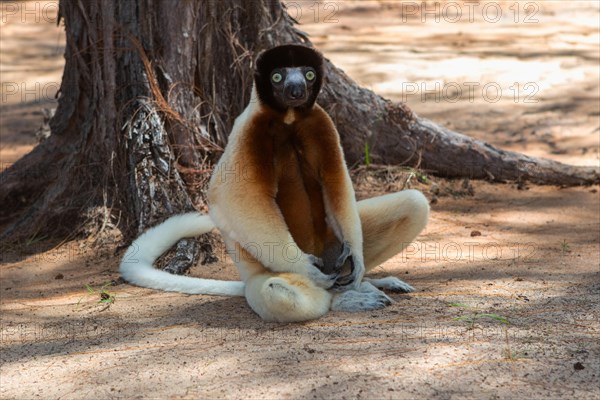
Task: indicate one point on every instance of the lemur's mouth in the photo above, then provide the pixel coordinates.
(295, 94)
(295, 102)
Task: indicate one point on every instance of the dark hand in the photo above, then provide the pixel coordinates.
(345, 280)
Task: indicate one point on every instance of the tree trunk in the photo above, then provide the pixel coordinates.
(149, 94)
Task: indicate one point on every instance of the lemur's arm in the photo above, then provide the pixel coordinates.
(338, 193)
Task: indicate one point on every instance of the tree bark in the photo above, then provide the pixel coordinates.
(149, 94)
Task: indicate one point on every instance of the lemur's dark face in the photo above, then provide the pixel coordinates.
(292, 86)
(289, 76)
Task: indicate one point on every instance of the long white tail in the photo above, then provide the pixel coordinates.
(137, 264)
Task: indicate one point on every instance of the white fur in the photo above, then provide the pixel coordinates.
(137, 264)
(275, 299)
(290, 116)
(391, 283)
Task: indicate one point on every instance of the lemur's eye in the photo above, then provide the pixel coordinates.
(276, 77)
(310, 75)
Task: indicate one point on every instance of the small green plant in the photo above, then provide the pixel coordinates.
(475, 316)
(472, 318)
(367, 154)
(34, 239)
(105, 296)
(565, 247)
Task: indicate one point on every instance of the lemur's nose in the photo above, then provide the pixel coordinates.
(296, 92)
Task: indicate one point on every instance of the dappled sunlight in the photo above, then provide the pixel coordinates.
(529, 85)
(506, 275)
(473, 72)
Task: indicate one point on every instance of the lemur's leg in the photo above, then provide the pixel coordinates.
(390, 223)
(278, 296)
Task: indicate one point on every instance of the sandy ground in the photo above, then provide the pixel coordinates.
(508, 280)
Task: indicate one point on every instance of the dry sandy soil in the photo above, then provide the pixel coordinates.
(508, 280)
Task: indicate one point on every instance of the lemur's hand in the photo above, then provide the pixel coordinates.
(357, 269)
(319, 278)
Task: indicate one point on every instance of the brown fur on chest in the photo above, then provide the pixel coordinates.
(299, 193)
